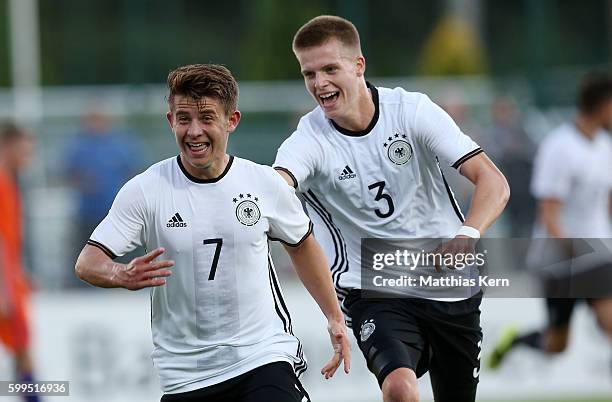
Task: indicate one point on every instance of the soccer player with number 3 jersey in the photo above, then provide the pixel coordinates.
(221, 328)
(366, 161)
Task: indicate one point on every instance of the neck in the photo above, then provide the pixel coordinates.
(586, 126)
(363, 112)
(210, 172)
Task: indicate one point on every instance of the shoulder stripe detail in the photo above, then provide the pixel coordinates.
(466, 157)
(282, 169)
(283, 314)
(451, 195)
(299, 242)
(102, 247)
(340, 264)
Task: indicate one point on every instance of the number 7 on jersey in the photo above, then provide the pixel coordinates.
(218, 244)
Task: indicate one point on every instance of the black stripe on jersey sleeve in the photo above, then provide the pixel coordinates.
(102, 247)
(282, 169)
(299, 242)
(466, 157)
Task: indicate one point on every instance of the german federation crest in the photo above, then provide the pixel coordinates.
(367, 329)
(399, 150)
(247, 210)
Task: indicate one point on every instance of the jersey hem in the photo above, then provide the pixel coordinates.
(467, 156)
(209, 382)
(282, 169)
(299, 242)
(103, 248)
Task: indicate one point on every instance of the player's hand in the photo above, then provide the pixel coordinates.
(342, 349)
(143, 272)
(460, 245)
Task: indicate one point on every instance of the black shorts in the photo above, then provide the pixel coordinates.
(443, 338)
(271, 382)
(590, 284)
(563, 293)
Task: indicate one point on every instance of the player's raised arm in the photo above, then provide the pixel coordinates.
(311, 266)
(97, 268)
(490, 194)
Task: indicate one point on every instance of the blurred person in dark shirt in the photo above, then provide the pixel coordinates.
(514, 150)
(99, 160)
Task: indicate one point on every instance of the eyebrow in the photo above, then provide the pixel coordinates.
(207, 110)
(322, 68)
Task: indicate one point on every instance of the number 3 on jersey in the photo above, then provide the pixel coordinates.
(213, 268)
(381, 196)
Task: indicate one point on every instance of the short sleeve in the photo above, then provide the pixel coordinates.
(122, 230)
(289, 223)
(551, 179)
(297, 157)
(441, 135)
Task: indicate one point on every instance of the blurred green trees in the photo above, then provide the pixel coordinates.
(138, 41)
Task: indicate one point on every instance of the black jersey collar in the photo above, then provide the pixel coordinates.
(204, 181)
(372, 122)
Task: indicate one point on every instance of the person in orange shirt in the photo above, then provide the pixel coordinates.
(15, 151)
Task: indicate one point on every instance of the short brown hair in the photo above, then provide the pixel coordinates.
(595, 90)
(320, 29)
(204, 80)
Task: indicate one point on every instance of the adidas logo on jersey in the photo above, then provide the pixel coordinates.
(347, 173)
(176, 222)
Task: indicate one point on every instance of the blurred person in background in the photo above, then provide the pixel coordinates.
(453, 101)
(514, 150)
(572, 182)
(16, 147)
(99, 160)
(220, 326)
(366, 162)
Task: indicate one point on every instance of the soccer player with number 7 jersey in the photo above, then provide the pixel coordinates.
(366, 161)
(221, 328)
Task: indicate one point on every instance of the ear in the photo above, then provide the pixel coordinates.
(170, 118)
(360, 66)
(234, 119)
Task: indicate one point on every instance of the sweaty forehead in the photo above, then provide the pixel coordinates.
(182, 102)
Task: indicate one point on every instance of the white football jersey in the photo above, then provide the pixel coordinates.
(578, 172)
(221, 313)
(383, 182)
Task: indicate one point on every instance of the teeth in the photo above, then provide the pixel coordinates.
(327, 96)
(197, 145)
